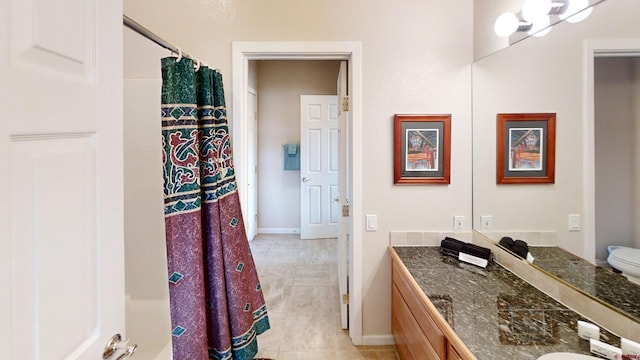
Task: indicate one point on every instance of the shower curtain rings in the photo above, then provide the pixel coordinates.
(179, 55)
(197, 65)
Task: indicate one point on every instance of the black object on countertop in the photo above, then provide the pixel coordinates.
(453, 247)
(477, 251)
(506, 242)
(520, 248)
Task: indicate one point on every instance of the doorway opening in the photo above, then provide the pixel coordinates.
(598, 51)
(292, 156)
(242, 53)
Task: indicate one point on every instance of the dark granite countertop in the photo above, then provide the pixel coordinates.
(601, 283)
(494, 312)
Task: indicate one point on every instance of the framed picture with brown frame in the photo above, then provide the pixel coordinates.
(422, 149)
(526, 148)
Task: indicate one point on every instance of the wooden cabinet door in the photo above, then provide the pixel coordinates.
(411, 342)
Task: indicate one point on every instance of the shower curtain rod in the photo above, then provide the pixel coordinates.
(133, 25)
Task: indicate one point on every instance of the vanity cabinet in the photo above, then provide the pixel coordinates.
(452, 353)
(419, 331)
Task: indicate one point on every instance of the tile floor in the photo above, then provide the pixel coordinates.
(300, 284)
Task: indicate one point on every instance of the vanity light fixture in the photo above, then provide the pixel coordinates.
(535, 16)
(534, 10)
(541, 27)
(577, 11)
(508, 23)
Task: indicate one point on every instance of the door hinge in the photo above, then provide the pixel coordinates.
(345, 103)
(345, 299)
(345, 210)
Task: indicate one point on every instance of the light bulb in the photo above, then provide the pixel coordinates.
(574, 7)
(541, 27)
(534, 9)
(506, 24)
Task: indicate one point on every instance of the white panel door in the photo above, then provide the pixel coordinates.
(252, 157)
(320, 207)
(61, 225)
(343, 187)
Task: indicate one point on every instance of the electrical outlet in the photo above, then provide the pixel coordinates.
(574, 222)
(458, 223)
(485, 222)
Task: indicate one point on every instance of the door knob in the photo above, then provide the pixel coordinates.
(129, 352)
(116, 343)
(305, 179)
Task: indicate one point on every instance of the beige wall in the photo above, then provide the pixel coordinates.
(416, 59)
(280, 85)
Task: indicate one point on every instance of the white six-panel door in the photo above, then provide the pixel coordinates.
(320, 199)
(61, 222)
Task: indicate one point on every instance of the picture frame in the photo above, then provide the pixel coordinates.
(526, 148)
(422, 149)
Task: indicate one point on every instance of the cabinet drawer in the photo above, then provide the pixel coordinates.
(422, 316)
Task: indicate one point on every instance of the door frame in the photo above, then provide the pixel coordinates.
(595, 48)
(251, 217)
(351, 51)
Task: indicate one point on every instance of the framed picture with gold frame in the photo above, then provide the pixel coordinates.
(422, 149)
(526, 148)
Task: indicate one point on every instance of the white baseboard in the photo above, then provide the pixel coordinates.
(278, 230)
(377, 340)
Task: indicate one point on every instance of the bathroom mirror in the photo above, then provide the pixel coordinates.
(588, 74)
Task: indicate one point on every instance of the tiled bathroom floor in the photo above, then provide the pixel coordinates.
(300, 284)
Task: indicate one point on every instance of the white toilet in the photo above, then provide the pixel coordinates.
(627, 260)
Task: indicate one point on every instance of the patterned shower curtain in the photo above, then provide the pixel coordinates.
(217, 306)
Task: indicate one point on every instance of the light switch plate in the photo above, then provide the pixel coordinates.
(371, 222)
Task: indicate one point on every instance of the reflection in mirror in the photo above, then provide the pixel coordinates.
(587, 74)
(487, 12)
(598, 282)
